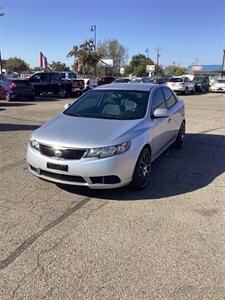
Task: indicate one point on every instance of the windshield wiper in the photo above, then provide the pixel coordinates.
(72, 114)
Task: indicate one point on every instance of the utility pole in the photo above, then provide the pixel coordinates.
(1, 15)
(93, 29)
(147, 53)
(196, 60)
(157, 60)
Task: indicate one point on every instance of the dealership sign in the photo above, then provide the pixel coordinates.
(197, 68)
(150, 68)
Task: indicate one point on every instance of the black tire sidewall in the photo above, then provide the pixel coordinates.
(135, 184)
(179, 141)
(64, 94)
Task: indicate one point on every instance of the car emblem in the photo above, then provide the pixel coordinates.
(57, 152)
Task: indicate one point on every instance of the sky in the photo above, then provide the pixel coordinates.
(185, 31)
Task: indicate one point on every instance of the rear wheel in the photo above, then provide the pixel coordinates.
(180, 137)
(62, 93)
(142, 170)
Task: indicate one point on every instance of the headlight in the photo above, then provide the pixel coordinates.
(34, 143)
(107, 151)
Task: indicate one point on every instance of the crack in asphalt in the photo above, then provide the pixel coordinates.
(29, 241)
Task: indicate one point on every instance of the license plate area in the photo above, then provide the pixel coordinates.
(57, 167)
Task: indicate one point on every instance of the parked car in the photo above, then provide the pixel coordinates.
(181, 84)
(52, 82)
(2, 90)
(109, 137)
(218, 86)
(14, 89)
(122, 80)
(201, 83)
(106, 80)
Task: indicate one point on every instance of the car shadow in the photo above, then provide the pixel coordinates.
(16, 127)
(175, 172)
(14, 104)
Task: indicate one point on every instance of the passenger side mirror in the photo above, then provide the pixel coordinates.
(160, 113)
(67, 105)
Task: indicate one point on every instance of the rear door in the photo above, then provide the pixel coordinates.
(160, 130)
(56, 81)
(174, 116)
(45, 83)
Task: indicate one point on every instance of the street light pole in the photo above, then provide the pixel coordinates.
(1, 15)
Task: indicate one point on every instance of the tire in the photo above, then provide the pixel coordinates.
(142, 170)
(62, 93)
(7, 97)
(180, 136)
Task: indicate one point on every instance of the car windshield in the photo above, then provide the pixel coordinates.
(175, 80)
(110, 104)
(197, 79)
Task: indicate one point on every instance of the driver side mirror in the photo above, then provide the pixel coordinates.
(160, 113)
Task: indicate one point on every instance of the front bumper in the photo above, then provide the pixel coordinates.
(111, 172)
(222, 90)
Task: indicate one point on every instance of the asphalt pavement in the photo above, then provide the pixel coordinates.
(166, 242)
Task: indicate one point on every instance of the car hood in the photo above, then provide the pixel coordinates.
(219, 85)
(77, 132)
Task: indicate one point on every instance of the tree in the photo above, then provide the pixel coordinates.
(87, 57)
(15, 64)
(114, 50)
(138, 64)
(175, 70)
(36, 69)
(58, 66)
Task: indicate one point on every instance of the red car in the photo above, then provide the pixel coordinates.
(2, 93)
(106, 80)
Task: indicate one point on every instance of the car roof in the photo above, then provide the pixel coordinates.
(127, 86)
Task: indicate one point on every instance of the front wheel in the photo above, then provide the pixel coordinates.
(7, 97)
(180, 137)
(142, 170)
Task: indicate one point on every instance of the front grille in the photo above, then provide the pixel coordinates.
(64, 153)
(62, 177)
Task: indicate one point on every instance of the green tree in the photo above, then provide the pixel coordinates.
(114, 50)
(175, 70)
(36, 69)
(128, 70)
(87, 57)
(58, 66)
(16, 64)
(138, 65)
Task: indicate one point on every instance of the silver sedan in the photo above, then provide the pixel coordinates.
(109, 137)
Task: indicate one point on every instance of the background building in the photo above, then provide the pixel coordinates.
(213, 71)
